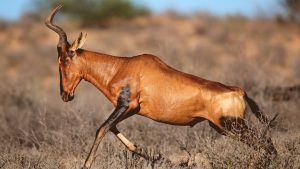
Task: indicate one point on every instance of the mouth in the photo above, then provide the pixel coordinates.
(67, 96)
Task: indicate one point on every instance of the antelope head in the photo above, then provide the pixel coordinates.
(70, 64)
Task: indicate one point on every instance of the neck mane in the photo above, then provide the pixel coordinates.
(99, 69)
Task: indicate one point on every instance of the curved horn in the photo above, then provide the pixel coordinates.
(62, 35)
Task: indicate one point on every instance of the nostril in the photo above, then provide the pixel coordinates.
(64, 96)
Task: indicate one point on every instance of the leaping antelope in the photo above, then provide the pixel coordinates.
(146, 86)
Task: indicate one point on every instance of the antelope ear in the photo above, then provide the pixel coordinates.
(78, 43)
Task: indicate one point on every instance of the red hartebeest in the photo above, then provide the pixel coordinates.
(146, 86)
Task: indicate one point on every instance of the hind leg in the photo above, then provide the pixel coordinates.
(238, 129)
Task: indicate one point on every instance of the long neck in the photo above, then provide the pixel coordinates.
(99, 69)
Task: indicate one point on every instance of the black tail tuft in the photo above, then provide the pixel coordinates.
(256, 110)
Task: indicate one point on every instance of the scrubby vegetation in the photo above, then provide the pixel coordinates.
(97, 11)
(39, 131)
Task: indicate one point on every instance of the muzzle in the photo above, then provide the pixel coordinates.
(67, 96)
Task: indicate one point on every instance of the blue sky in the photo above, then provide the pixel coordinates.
(12, 9)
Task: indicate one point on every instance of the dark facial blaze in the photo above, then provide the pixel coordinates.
(65, 95)
(69, 77)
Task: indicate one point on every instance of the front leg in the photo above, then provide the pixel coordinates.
(130, 146)
(121, 109)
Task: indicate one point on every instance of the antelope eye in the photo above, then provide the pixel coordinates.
(67, 61)
(70, 53)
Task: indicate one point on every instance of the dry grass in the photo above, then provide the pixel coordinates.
(39, 131)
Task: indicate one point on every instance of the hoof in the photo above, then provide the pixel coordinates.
(148, 155)
(141, 152)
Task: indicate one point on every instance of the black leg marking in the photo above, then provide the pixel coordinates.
(233, 124)
(121, 108)
(218, 129)
(124, 96)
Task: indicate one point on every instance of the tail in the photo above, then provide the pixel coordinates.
(258, 113)
(267, 144)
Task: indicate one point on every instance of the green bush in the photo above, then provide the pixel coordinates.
(291, 10)
(91, 11)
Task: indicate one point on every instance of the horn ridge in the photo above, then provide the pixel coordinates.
(55, 28)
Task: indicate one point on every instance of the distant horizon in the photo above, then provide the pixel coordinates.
(13, 10)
